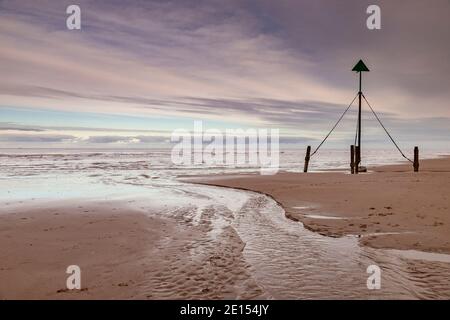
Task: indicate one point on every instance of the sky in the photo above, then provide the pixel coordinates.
(137, 70)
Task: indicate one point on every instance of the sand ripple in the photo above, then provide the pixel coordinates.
(290, 262)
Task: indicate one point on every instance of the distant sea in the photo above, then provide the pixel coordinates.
(157, 162)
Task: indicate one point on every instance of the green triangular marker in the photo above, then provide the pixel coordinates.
(360, 66)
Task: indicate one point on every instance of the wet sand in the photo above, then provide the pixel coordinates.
(391, 207)
(122, 252)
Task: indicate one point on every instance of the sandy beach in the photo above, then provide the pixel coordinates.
(155, 150)
(391, 207)
(122, 252)
(132, 249)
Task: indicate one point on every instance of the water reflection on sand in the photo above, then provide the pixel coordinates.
(286, 260)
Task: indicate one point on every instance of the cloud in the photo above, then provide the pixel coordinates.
(36, 138)
(109, 139)
(170, 51)
(126, 139)
(263, 111)
(51, 138)
(7, 126)
(254, 63)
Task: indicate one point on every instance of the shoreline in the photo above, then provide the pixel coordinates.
(396, 224)
(138, 248)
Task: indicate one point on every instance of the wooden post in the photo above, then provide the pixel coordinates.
(352, 159)
(416, 159)
(308, 151)
(357, 159)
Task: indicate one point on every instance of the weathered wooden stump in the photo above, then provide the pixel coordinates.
(308, 152)
(416, 159)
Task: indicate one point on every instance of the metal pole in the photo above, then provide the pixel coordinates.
(352, 159)
(359, 116)
(357, 159)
